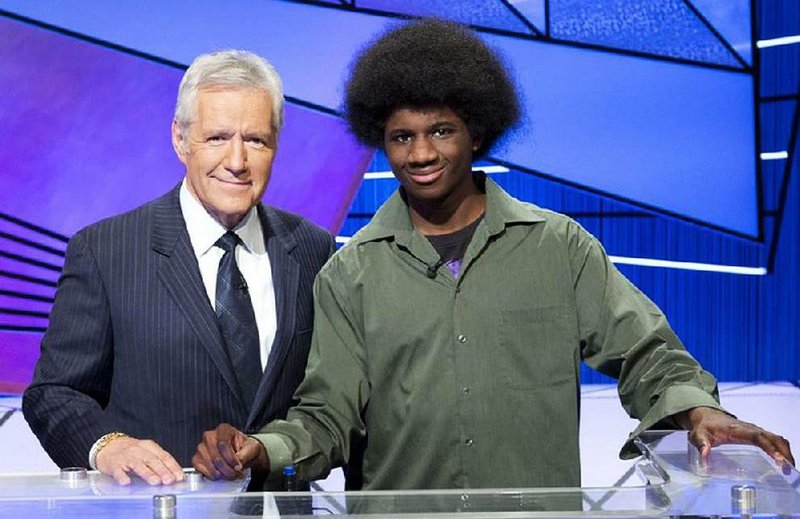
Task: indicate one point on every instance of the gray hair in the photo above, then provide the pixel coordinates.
(223, 68)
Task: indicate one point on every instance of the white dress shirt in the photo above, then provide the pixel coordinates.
(252, 260)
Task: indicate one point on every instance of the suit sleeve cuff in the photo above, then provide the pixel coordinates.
(279, 451)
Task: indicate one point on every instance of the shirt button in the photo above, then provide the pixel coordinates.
(465, 390)
(469, 442)
(462, 339)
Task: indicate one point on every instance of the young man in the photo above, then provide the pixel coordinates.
(448, 331)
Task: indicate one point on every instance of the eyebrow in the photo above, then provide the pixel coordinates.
(260, 135)
(434, 126)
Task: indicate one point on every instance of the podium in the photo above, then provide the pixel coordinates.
(736, 480)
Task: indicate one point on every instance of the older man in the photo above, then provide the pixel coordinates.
(193, 309)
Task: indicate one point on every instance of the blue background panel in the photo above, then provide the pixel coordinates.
(671, 136)
(643, 130)
(731, 19)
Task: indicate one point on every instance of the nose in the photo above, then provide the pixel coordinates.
(236, 158)
(422, 153)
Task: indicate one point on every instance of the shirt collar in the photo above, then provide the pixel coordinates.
(393, 218)
(204, 230)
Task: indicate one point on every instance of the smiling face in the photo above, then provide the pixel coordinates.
(430, 152)
(228, 150)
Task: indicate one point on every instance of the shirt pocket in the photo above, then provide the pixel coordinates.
(538, 347)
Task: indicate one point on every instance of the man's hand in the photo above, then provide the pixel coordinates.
(144, 457)
(226, 452)
(710, 427)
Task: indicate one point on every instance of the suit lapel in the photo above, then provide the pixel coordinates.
(285, 277)
(180, 275)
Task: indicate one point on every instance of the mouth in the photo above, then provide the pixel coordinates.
(426, 177)
(233, 183)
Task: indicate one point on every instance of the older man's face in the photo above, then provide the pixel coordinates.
(228, 150)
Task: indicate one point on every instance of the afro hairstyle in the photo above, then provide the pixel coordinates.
(428, 63)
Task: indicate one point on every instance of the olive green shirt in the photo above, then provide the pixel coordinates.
(474, 382)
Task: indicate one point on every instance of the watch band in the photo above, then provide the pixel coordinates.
(100, 444)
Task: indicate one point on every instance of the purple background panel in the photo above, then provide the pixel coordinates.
(87, 129)
(87, 136)
(19, 354)
(318, 168)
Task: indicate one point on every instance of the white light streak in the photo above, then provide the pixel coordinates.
(774, 155)
(688, 265)
(774, 42)
(680, 265)
(372, 175)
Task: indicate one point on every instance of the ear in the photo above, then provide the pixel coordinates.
(477, 141)
(178, 142)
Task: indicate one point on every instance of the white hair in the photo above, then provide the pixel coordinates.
(223, 68)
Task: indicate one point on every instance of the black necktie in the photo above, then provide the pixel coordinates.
(237, 319)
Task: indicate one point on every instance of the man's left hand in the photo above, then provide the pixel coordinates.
(710, 427)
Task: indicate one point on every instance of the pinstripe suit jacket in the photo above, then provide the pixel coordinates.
(134, 345)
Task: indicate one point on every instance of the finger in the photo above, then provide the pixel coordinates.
(211, 442)
(249, 452)
(121, 476)
(163, 463)
(160, 468)
(211, 471)
(143, 470)
(702, 441)
(172, 465)
(789, 456)
(214, 446)
(238, 441)
(764, 440)
(783, 447)
(200, 466)
(226, 432)
(227, 453)
(228, 471)
(780, 451)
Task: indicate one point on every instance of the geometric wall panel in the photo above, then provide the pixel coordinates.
(663, 27)
(731, 19)
(482, 13)
(665, 135)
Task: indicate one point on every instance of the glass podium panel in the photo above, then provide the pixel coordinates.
(734, 481)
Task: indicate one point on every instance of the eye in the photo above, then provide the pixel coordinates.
(401, 138)
(442, 132)
(259, 141)
(216, 139)
(256, 143)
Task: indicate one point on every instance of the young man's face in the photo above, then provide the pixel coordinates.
(430, 152)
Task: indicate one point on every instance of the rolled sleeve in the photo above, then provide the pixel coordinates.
(279, 451)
